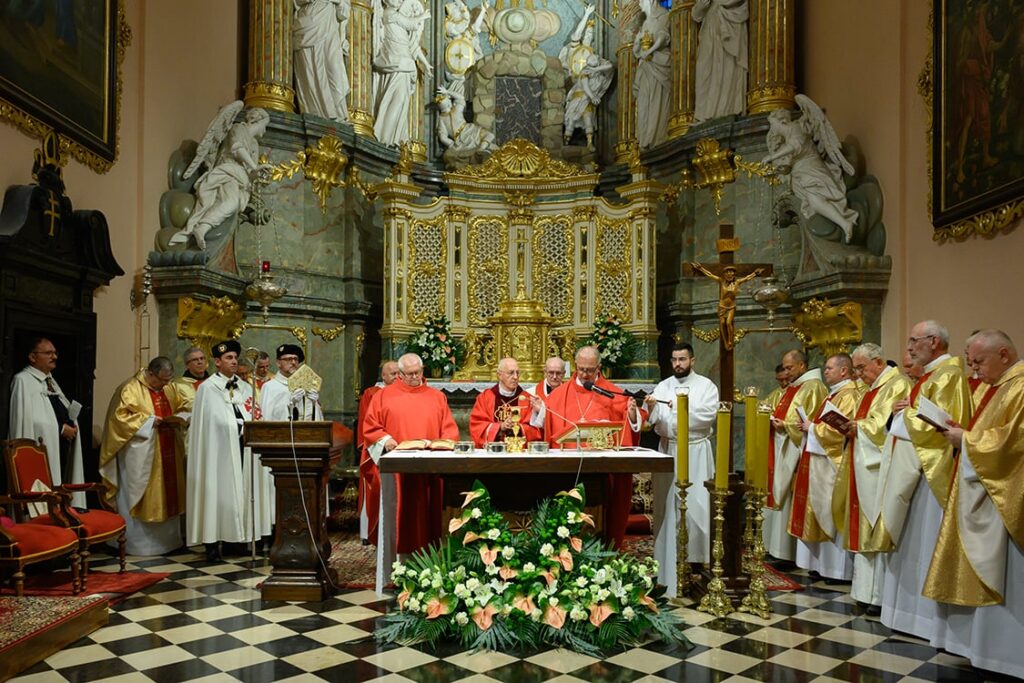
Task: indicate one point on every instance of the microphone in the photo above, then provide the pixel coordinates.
(590, 386)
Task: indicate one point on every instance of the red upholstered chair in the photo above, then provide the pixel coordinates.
(27, 462)
(25, 544)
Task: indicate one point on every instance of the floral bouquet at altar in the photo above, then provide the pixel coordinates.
(436, 346)
(617, 345)
(488, 587)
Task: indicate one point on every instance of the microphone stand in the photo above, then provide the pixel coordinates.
(579, 447)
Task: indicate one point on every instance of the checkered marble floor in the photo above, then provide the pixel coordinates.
(206, 622)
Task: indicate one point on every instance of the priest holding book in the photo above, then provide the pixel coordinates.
(589, 397)
(410, 410)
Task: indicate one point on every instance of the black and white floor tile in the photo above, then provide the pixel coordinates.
(206, 622)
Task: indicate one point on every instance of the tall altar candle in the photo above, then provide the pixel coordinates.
(764, 432)
(750, 434)
(682, 434)
(722, 451)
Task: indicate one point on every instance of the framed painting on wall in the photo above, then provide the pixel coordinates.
(60, 70)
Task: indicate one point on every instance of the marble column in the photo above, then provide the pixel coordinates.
(269, 83)
(626, 148)
(772, 79)
(684, 61)
(360, 74)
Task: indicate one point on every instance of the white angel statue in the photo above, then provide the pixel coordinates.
(453, 130)
(230, 152)
(808, 149)
(397, 52)
(319, 46)
(462, 22)
(652, 80)
(591, 77)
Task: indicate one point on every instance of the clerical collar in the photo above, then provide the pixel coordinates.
(883, 376)
(839, 385)
(506, 394)
(206, 375)
(936, 361)
(813, 373)
(579, 383)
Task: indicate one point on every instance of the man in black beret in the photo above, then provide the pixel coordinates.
(277, 401)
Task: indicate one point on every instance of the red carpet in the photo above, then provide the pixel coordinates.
(355, 563)
(777, 581)
(116, 586)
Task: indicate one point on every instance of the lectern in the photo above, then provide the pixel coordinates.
(300, 456)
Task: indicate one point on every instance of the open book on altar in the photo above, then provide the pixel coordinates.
(593, 434)
(426, 445)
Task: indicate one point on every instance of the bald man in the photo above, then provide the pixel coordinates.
(491, 418)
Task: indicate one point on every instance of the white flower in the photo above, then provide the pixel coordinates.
(499, 586)
(642, 569)
(413, 604)
(462, 592)
(462, 618)
(553, 601)
(470, 602)
(477, 513)
(654, 566)
(536, 614)
(563, 532)
(628, 614)
(573, 516)
(493, 534)
(436, 583)
(578, 614)
(581, 581)
(600, 576)
(424, 574)
(529, 567)
(506, 610)
(492, 569)
(473, 583)
(603, 594)
(507, 552)
(546, 549)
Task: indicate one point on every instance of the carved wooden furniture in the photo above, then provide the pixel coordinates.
(300, 456)
(26, 463)
(25, 544)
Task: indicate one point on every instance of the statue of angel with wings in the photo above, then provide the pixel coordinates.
(230, 154)
(808, 150)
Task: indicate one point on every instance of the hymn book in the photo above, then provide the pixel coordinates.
(426, 445)
(832, 417)
(932, 414)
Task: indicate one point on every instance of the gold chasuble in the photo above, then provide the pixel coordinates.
(160, 483)
(774, 397)
(811, 518)
(985, 503)
(856, 501)
(946, 386)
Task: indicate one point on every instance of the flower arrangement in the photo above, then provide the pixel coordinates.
(490, 588)
(617, 345)
(435, 345)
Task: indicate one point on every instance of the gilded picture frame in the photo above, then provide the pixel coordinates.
(975, 84)
(60, 70)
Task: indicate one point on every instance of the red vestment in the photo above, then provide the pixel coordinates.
(403, 412)
(570, 401)
(369, 473)
(484, 422)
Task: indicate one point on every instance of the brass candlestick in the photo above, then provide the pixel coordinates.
(716, 601)
(756, 601)
(748, 535)
(682, 547)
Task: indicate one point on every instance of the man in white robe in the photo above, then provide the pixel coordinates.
(141, 458)
(277, 402)
(703, 410)
(224, 500)
(920, 469)
(804, 393)
(39, 410)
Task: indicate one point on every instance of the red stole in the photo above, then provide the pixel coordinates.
(989, 393)
(853, 532)
(802, 485)
(168, 452)
(917, 387)
(779, 414)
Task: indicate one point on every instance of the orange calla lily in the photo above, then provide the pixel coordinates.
(599, 612)
(402, 597)
(548, 577)
(572, 493)
(577, 543)
(470, 496)
(482, 617)
(456, 524)
(488, 554)
(554, 617)
(523, 603)
(649, 601)
(437, 608)
(565, 557)
(584, 517)
(470, 537)
(507, 572)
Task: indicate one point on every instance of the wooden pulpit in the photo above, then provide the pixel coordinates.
(300, 456)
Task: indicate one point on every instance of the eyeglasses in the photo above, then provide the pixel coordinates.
(914, 340)
(45, 353)
(508, 372)
(197, 359)
(554, 373)
(586, 371)
(289, 359)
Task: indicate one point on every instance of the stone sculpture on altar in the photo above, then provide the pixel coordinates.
(652, 78)
(230, 153)
(808, 151)
(462, 140)
(319, 46)
(720, 86)
(462, 27)
(591, 77)
(397, 55)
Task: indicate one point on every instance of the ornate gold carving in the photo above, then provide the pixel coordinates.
(369, 192)
(267, 95)
(35, 128)
(553, 249)
(829, 328)
(473, 345)
(322, 165)
(405, 159)
(714, 168)
(765, 172)
(521, 200)
(356, 380)
(770, 98)
(488, 267)
(614, 278)
(428, 267)
(985, 224)
(521, 158)
(713, 334)
(521, 330)
(203, 323)
(328, 335)
(362, 122)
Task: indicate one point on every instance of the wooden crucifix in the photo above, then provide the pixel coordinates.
(729, 275)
